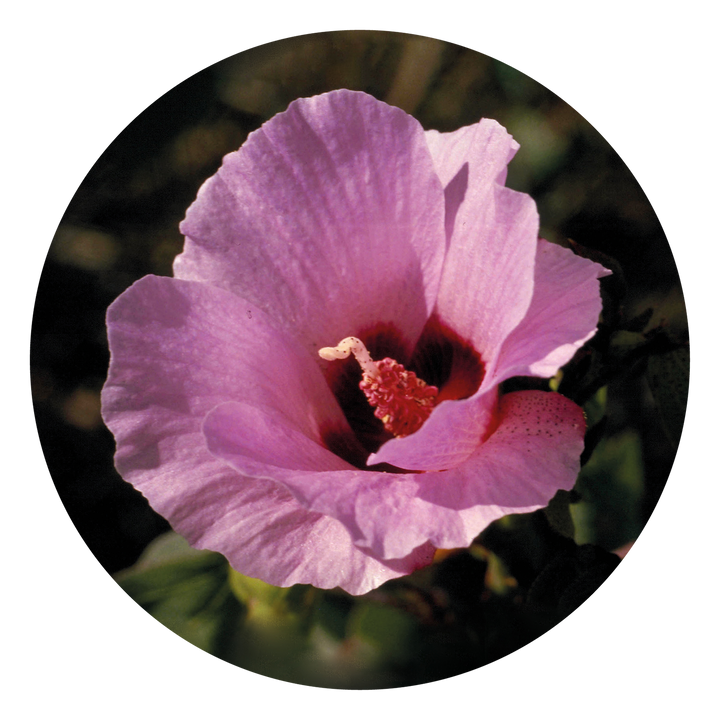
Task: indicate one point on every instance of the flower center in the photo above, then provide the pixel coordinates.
(401, 399)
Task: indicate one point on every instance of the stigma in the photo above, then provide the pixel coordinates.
(401, 399)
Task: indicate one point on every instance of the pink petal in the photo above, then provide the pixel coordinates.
(487, 279)
(448, 437)
(263, 532)
(330, 218)
(355, 497)
(491, 148)
(185, 347)
(486, 285)
(562, 317)
(534, 452)
(178, 349)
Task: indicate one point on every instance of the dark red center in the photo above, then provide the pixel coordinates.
(441, 358)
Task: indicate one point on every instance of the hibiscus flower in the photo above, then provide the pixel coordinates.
(342, 228)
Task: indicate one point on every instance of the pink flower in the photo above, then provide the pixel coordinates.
(341, 218)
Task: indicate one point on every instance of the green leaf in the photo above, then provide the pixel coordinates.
(558, 513)
(389, 630)
(184, 589)
(668, 375)
(497, 578)
(332, 614)
(569, 578)
(594, 408)
(254, 593)
(611, 485)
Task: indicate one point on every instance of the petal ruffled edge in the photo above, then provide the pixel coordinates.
(562, 316)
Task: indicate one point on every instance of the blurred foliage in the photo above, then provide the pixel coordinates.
(475, 606)
(525, 573)
(611, 486)
(185, 589)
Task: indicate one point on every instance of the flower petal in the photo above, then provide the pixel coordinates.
(448, 437)
(264, 460)
(178, 349)
(490, 227)
(493, 228)
(329, 217)
(534, 452)
(265, 533)
(562, 317)
(186, 347)
(352, 496)
(491, 149)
